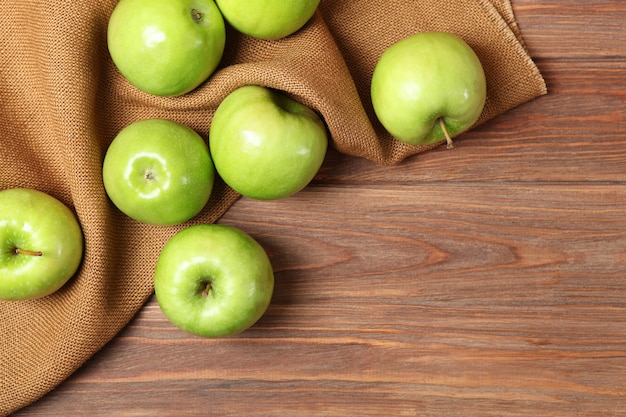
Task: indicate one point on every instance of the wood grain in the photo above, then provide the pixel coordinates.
(489, 280)
(581, 31)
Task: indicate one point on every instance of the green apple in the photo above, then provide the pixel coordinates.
(266, 145)
(267, 19)
(166, 47)
(41, 244)
(213, 280)
(158, 172)
(428, 87)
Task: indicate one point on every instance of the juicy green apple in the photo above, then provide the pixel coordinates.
(428, 87)
(267, 19)
(158, 172)
(213, 280)
(266, 145)
(166, 47)
(41, 244)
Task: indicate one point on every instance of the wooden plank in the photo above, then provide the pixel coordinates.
(570, 29)
(495, 299)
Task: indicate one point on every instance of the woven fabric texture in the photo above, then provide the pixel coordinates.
(62, 101)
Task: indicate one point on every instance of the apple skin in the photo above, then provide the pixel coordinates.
(213, 280)
(266, 145)
(49, 238)
(425, 78)
(158, 171)
(166, 47)
(267, 19)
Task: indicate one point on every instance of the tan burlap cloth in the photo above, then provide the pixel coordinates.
(62, 101)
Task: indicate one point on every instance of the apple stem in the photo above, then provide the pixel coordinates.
(445, 132)
(206, 290)
(19, 251)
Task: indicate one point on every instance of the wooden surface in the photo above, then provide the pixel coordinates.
(488, 280)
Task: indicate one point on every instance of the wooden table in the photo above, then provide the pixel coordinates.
(488, 280)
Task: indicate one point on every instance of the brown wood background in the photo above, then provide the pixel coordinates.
(489, 280)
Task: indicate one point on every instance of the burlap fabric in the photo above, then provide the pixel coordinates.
(62, 101)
